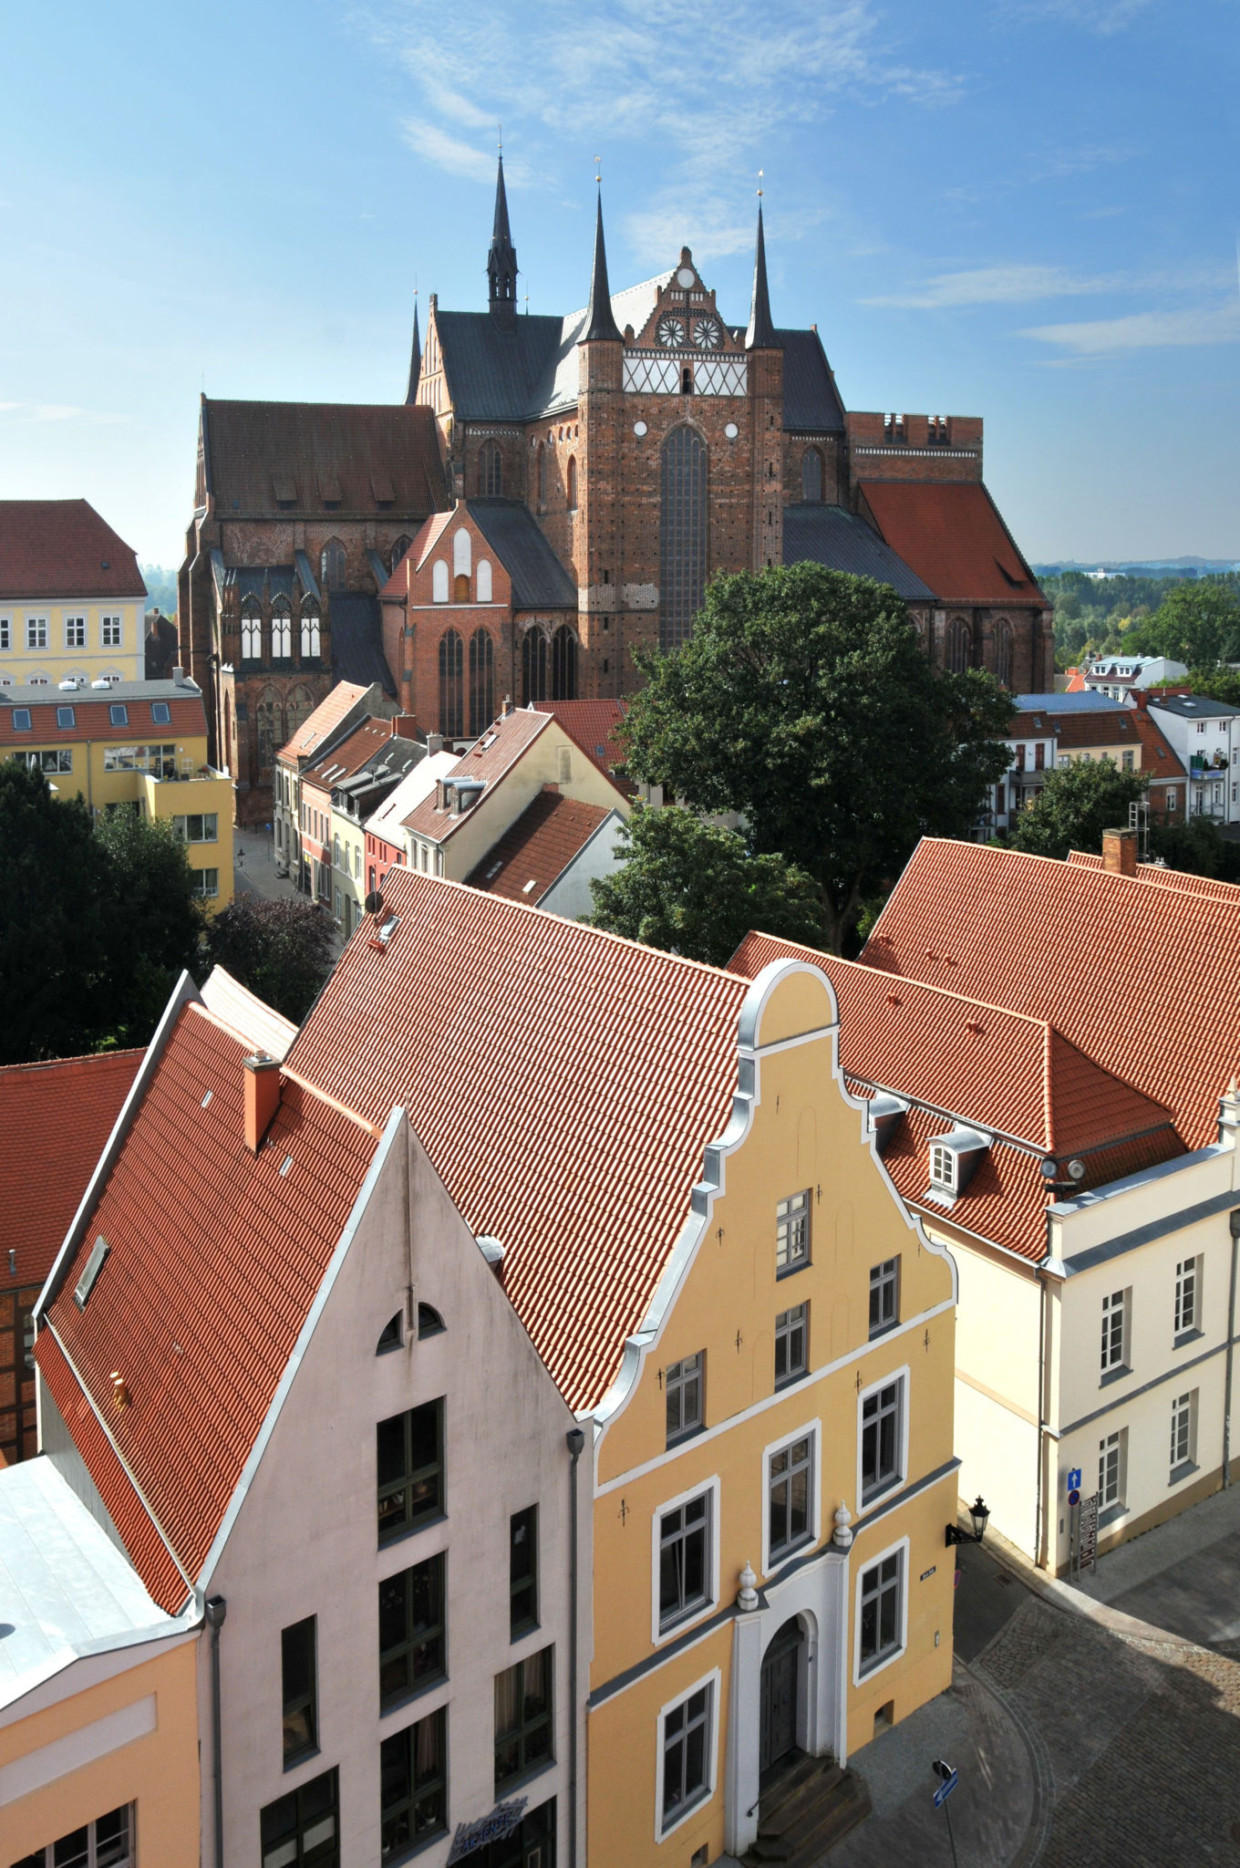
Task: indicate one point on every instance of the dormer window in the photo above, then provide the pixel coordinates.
(884, 1114)
(953, 1159)
(942, 1168)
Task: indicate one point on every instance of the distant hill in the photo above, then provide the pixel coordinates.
(161, 586)
(1141, 567)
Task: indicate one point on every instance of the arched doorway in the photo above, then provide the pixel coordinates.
(782, 1673)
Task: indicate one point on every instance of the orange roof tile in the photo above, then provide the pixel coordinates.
(592, 725)
(215, 1258)
(63, 548)
(1177, 879)
(491, 760)
(1142, 978)
(538, 848)
(55, 1119)
(1157, 757)
(563, 1081)
(349, 754)
(952, 535)
(325, 718)
(93, 721)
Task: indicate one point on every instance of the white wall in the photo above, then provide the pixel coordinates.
(570, 894)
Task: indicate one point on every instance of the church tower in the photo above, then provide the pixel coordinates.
(600, 517)
(502, 260)
(766, 389)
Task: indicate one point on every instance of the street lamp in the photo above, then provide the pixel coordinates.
(979, 1513)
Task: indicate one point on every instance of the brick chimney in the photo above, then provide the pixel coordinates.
(1119, 852)
(405, 726)
(262, 1097)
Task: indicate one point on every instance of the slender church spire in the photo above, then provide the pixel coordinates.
(761, 332)
(415, 356)
(502, 258)
(600, 323)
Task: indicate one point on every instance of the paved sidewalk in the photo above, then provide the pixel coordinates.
(254, 867)
(1183, 1577)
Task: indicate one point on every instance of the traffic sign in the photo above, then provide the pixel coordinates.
(1074, 1497)
(949, 1778)
(1074, 1482)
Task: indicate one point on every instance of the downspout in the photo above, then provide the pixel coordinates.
(1234, 1222)
(216, 1608)
(1039, 1508)
(576, 1440)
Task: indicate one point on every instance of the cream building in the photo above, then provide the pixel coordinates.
(72, 599)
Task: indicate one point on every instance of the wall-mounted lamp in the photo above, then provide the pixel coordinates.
(979, 1513)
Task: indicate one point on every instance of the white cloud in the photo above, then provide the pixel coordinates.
(448, 152)
(1144, 330)
(1103, 17)
(1015, 284)
(59, 412)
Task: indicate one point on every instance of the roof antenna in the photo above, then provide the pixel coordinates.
(761, 173)
(598, 170)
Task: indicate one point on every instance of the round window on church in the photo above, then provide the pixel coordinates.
(731, 430)
(639, 428)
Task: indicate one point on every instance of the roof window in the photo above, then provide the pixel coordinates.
(161, 713)
(884, 1113)
(21, 719)
(66, 718)
(118, 713)
(953, 1159)
(94, 1265)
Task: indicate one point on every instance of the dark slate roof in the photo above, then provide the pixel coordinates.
(1089, 702)
(1194, 706)
(357, 641)
(494, 370)
(811, 400)
(832, 536)
(250, 578)
(539, 580)
(356, 454)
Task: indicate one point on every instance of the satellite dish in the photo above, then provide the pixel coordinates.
(374, 903)
(1077, 1170)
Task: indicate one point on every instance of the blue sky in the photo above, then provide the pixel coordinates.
(1024, 209)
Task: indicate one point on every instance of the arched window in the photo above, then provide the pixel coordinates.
(269, 739)
(311, 636)
(564, 664)
(490, 471)
(251, 630)
(400, 548)
(281, 630)
(1003, 652)
(572, 485)
(811, 477)
(462, 557)
(430, 1323)
(333, 564)
(533, 667)
(391, 1335)
(481, 682)
(484, 580)
(542, 477)
(439, 581)
(460, 587)
(300, 705)
(682, 536)
(451, 685)
(958, 645)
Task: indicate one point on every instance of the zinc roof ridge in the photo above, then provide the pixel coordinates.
(303, 1083)
(461, 769)
(925, 985)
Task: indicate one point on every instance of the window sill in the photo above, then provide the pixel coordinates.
(416, 1848)
(1114, 1375)
(884, 1329)
(411, 1530)
(1112, 1515)
(790, 1381)
(878, 1493)
(299, 1758)
(682, 1815)
(776, 1558)
(668, 1631)
(1182, 1472)
(510, 1784)
(1187, 1336)
(869, 1667)
(790, 1271)
(524, 1632)
(400, 1700)
(683, 1439)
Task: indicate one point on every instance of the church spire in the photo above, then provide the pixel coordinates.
(600, 323)
(415, 356)
(502, 258)
(761, 332)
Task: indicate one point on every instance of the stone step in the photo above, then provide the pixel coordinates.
(848, 1807)
(812, 1814)
(789, 1786)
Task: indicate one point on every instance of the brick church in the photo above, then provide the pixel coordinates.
(557, 491)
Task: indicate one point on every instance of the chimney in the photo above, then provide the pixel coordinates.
(434, 743)
(405, 726)
(178, 675)
(506, 709)
(262, 1097)
(1119, 852)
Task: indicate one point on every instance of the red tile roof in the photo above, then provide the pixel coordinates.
(592, 725)
(1176, 879)
(564, 1082)
(951, 534)
(491, 760)
(1072, 730)
(92, 720)
(55, 1119)
(538, 848)
(324, 720)
(349, 754)
(1157, 757)
(1143, 979)
(62, 548)
(215, 1259)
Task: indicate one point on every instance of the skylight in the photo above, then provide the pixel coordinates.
(94, 1265)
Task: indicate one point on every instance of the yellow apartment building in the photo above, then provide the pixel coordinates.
(72, 599)
(137, 745)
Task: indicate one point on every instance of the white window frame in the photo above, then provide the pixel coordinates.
(802, 1217)
(48, 1851)
(1181, 1404)
(1107, 1309)
(660, 1638)
(1118, 1505)
(75, 631)
(864, 1676)
(887, 1280)
(903, 1375)
(713, 1682)
(811, 1430)
(114, 621)
(1188, 1270)
(36, 632)
(938, 1156)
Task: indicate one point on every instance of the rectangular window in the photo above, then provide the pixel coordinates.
(300, 1689)
(21, 719)
(1111, 1463)
(111, 631)
(75, 632)
(1127, 761)
(108, 1842)
(160, 761)
(688, 1747)
(790, 1482)
(684, 1560)
(302, 1830)
(1183, 1435)
(6, 633)
(1114, 1331)
(413, 1776)
(792, 1233)
(410, 1468)
(1187, 1296)
(207, 883)
(118, 714)
(412, 1631)
(524, 1736)
(161, 713)
(50, 763)
(1039, 757)
(36, 632)
(198, 827)
(884, 1296)
(523, 1572)
(881, 1633)
(683, 1387)
(882, 1437)
(791, 1344)
(66, 719)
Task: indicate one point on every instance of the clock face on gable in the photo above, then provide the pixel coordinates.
(670, 332)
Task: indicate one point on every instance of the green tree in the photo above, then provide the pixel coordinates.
(805, 702)
(282, 950)
(1197, 623)
(1075, 805)
(1220, 684)
(152, 888)
(696, 890)
(1196, 846)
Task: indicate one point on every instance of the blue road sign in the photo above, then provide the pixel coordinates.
(1074, 1479)
(945, 1789)
(1074, 1497)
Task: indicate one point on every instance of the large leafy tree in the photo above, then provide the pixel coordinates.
(805, 703)
(1197, 623)
(152, 886)
(1220, 684)
(696, 889)
(282, 950)
(1075, 805)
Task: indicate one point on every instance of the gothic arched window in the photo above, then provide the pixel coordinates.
(481, 682)
(269, 737)
(542, 477)
(1003, 652)
(310, 632)
(451, 685)
(490, 471)
(297, 711)
(333, 564)
(682, 536)
(533, 667)
(281, 630)
(484, 580)
(399, 549)
(564, 664)
(460, 587)
(251, 630)
(572, 485)
(958, 645)
(811, 477)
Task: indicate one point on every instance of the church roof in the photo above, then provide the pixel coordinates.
(357, 641)
(811, 400)
(954, 537)
(539, 580)
(309, 457)
(832, 536)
